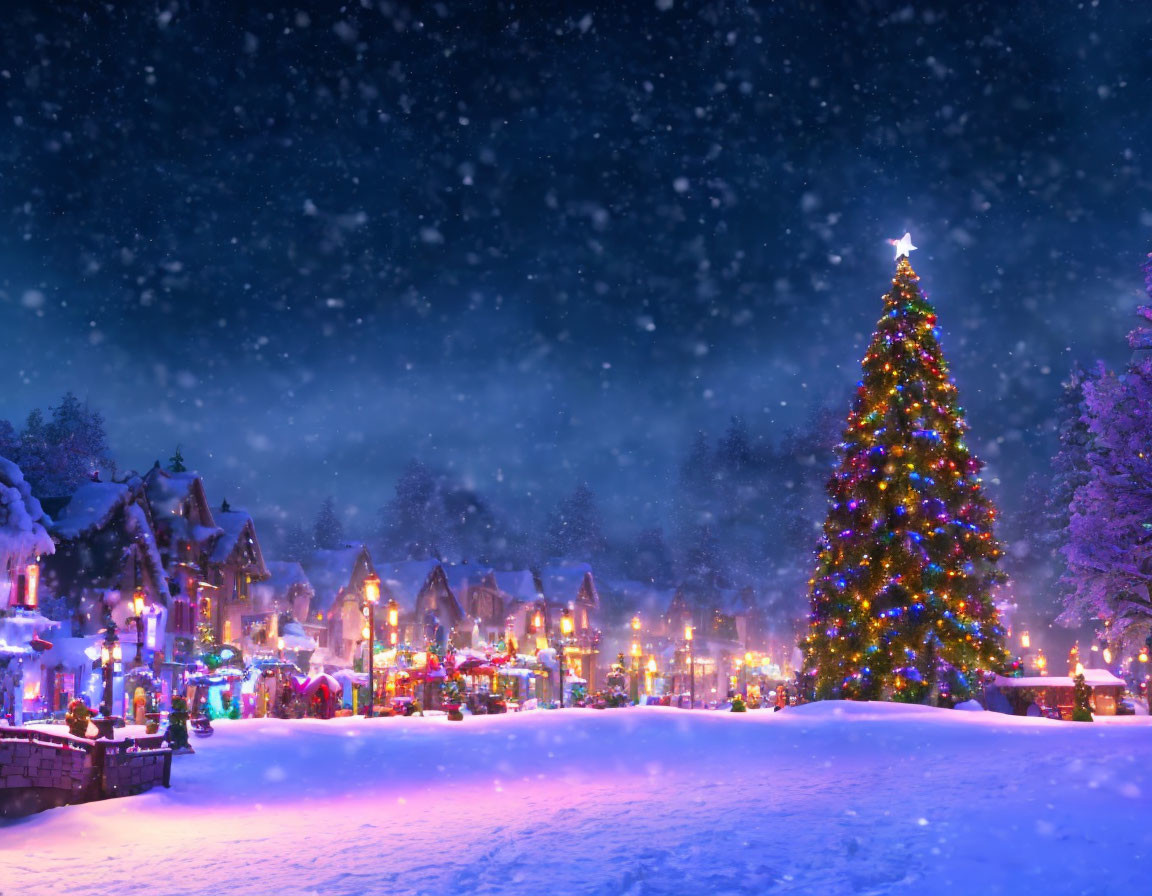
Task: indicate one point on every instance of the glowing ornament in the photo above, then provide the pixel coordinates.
(903, 245)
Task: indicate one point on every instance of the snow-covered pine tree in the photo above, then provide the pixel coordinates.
(902, 599)
(1109, 546)
(413, 525)
(574, 529)
(176, 462)
(328, 531)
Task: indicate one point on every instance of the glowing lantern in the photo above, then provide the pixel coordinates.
(32, 578)
(566, 623)
(688, 632)
(372, 588)
(1025, 640)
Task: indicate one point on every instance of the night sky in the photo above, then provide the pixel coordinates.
(542, 243)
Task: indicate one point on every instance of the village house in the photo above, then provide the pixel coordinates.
(337, 577)
(285, 596)
(23, 540)
(106, 560)
(424, 598)
(211, 557)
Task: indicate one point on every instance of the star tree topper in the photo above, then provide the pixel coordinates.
(903, 245)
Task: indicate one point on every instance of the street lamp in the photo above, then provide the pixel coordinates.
(371, 598)
(565, 632)
(110, 654)
(651, 673)
(635, 671)
(691, 667)
(393, 621)
(138, 607)
(1025, 640)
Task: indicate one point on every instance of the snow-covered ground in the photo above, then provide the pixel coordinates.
(822, 799)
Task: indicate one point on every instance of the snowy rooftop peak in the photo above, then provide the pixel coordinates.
(903, 245)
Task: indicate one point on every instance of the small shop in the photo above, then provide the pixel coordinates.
(1053, 695)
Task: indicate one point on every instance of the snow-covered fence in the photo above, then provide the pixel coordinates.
(39, 770)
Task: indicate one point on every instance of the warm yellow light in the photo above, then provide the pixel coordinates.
(393, 613)
(635, 623)
(688, 633)
(372, 588)
(1025, 640)
(1143, 657)
(652, 665)
(1107, 655)
(537, 621)
(566, 624)
(1079, 668)
(748, 657)
(279, 643)
(392, 638)
(365, 632)
(32, 580)
(117, 653)
(635, 649)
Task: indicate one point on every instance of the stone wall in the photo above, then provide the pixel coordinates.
(39, 770)
(129, 773)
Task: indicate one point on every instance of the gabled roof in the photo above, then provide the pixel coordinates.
(562, 584)
(236, 526)
(23, 535)
(95, 526)
(167, 492)
(283, 578)
(330, 571)
(405, 580)
(519, 584)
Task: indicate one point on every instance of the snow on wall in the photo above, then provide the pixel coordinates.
(23, 535)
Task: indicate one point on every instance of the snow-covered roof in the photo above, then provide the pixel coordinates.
(89, 508)
(329, 571)
(235, 526)
(405, 580)
(561, 584)
(167, 493)
(1093, 677)
(295, 638)
(17, 629)
(517, 583)
(23, 535)
(95, 525)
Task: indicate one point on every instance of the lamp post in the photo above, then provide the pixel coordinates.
(651, 674)
(691, 668)
(371, 598)
(565, 631)
(635, 672)
(138, 608)
(748, 659)
(393, 622)
(110, 654)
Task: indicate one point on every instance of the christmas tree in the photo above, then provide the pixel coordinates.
(901, 602)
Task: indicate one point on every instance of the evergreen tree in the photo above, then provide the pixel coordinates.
(1109, 544)
(902, 593)
(650, 560)
(176, 462)
(1081, 699)
(704, 575)
(328, 531)
(297, 543)
(59, 453)
(414, 525)
(574, 530)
